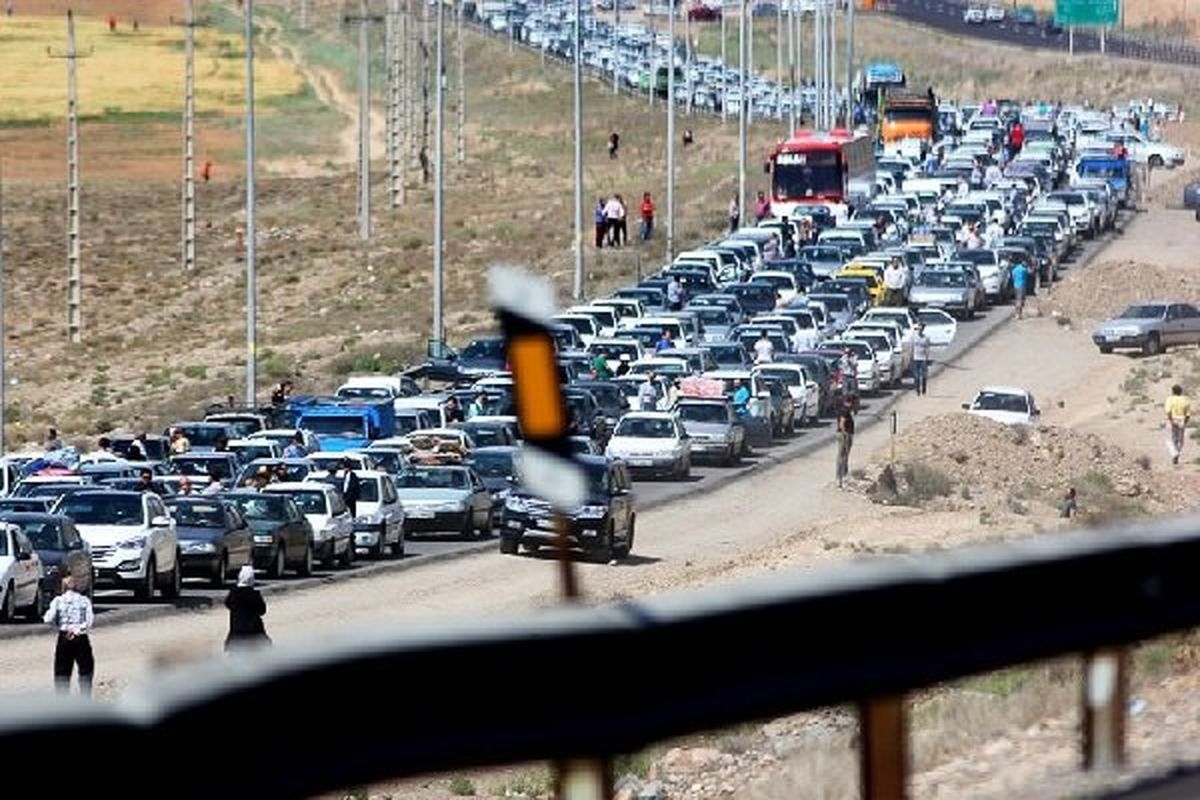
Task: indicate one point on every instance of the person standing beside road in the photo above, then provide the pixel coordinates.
(1020, 282)
(351, 488)
(762, 207)
(735, 215)
(648, 394)
(1179, 412)
(246, 610)
(674, 294)
(601, 222)
(764, 351)
(921, 350)
(647, 217)
(622, 236)
(894, 280)
(614, 144)
(741, 397)
(612, 217)
(845, 436)
(71, 612)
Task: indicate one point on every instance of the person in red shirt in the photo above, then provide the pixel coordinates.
(206, 171)
(112, 24)
(762, 207)
(647, 217)
(1016, 138)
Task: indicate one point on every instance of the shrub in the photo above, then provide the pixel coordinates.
(926, 482)
(462, 787)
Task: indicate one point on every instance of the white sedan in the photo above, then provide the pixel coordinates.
(994, 14)
(1007, 405)
(940, 327)
(20, 575)
(652, 442)
(974, 15)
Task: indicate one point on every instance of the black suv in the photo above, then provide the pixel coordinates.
(601, 528)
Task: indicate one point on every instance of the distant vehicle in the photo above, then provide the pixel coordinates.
(714, 427)
(214, 538)
(947, 290)
(1004, 404)
(1025, 15)
(379, 524)
(940, 327)
(332, 525)
(654, 443)
(1151, 327)
(60, 548)
(974, 15)
(20, 575)
(282, 534)
(445, 500)
(603, 527)
(995, 14)
(836, 169)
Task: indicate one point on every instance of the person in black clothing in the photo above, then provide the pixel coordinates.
(350, 487)
(845, 436)
(614, 143)
(246, 610)
(453, 411)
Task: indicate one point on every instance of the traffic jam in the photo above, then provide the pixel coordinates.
(935, 214)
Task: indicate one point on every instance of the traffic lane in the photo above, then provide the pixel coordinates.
(116, 605)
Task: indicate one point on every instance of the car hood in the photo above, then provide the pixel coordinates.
(1139, 323)
(411, 496)
(628, 444)
(1004, 417)
(496, 484)
(953, 292)
(707, 428)
(195, 533)
(108, 534)
(265, 525)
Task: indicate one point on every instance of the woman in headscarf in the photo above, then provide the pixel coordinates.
(246, 610)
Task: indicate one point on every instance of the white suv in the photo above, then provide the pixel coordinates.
(379, 526)
(20, 575)
(323, 506)
(132, 539)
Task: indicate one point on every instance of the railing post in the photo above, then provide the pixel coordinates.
(583, 779)
(1105, 699)
(883, 748)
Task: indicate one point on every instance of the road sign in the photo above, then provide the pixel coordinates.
(1087, 12)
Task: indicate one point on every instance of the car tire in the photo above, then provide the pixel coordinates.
(35, 610)
(398, 547)
(8, 610)
(605, 552)
(145, 592)
(686, 472)
(381, 549)
(347, 559)
(489, 525)
(728, 459)
(174, 584)
(468, 530)
(306, 566)
(508, 545)
(217, 580)
(1106, 349)
(278, 563)
(1153, 345)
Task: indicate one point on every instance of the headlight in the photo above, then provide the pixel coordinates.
(592, 512)
(517, 503)
(134, 543)
(374, 518)
(442, 506)
(199, 547)
(264, 539)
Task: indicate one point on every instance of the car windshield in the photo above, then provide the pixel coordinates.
(342, 427)
(491, 349)
(262, 506)
(103, 509)
(190, 465)
(43, 534)
(703, 412)
(799, 175)
(329, 463)
(1001, 401)
(310, 501)
(364, 393)
(583, 325)
(941, 279)
(1143, 312)
(197, 515)
(645, 428)
(712, 315)
(493, 465)
(776, 281)
(387, 460)
(207, 435)
(788, 376)
(834, 302)
(249, 452)
(444, 478)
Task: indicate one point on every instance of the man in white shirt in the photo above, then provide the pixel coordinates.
(894, 281)
(613, 211)
(764, 351)
(71, 612)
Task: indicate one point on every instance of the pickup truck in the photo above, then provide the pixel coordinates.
(1151, 327)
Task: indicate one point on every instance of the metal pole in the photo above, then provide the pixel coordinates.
(779, 78)
(189, 137)
(462, 86)
(1103, 49)
(818, 101)
(439, 201)
(1071, 40)
(799, 99)
(653, 76)
(3, 332)
(687, 56)
(424, 154)
(850, 64)
(74, 281)
(742, 67)
(831, 63)
(616, 36)
(251, 231)
(749, 63)
(410, 80)
(577, 284)
(364, 124)
(389, 72)
(791, 23)
(396, 91)
(671, 134)
(724, 65)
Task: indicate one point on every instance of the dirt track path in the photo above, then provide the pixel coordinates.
(331, 93)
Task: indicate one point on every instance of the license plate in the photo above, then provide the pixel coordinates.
(640, 462)
(420, 513)
(1113, 338)
(546, 524)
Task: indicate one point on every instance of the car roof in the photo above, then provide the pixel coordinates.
(1003, 390)
(294, 486)
(30, 516)
(649, 415)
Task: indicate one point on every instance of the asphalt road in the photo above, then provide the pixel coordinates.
(118, 606)
(947, 15)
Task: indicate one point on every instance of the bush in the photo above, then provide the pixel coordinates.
(925, 483)
(462, 787)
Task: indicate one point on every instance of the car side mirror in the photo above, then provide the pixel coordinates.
(160, 522)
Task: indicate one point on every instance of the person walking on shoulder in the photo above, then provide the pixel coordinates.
(845, 437)
(246, 610)
(647, 217)
(1020, 282)
(735, 215)
(1179, 411)
(921, 349)
(71, 612)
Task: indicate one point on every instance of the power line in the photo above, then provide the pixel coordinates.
(251, 223)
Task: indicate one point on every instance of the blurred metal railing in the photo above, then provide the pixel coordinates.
(589, 682)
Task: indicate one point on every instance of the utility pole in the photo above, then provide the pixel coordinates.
(424, 154)
(616, 30)
(74, 280)
(687, 55)
(831, 62)
(742, 67)
(3, 332)
(779, 81)
(749, 63)
(577, 284)
(396, 50)
(189, 136)
(251, 227)
(850, 65)
(670, 134)
(439, 161)
(724, 64)
(652, 82)
(791, 23)
(410, 80)
(364, 19)
(462, 85)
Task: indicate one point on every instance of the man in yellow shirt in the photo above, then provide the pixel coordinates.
(1179, 410)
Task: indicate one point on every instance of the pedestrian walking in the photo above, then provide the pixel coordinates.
(921, 350)
(675, 294)
(647, 217)
(1179, 411)
(206, 171)
(894, 280)
(1069, 506)
(762, 207)
(688, 137)
(735, 215)
(71, 612)
(845, 436)
(648, 394)
(601, 222)
(1020, 282)
(246, 610)
(614, 144)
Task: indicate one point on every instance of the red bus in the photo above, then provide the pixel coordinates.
(834, 169)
